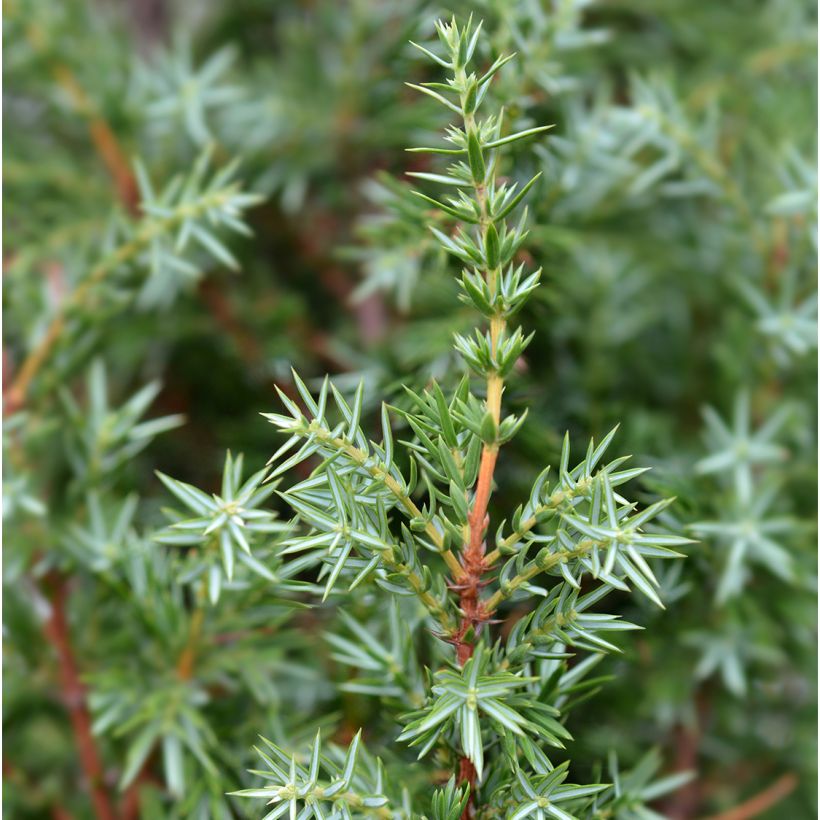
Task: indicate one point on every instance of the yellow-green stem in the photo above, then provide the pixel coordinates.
(509, 587)
(363, 459)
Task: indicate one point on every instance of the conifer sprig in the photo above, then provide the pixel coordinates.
(157, 626)
(485, 704)
(189, 212)
(491, 282)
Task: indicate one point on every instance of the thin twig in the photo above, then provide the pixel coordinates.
(755, 806)
(683, 804)
(185, 664)
(105, 141)
(74, 695)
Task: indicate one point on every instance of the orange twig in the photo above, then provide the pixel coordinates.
(185, 664)
(473, 566)
(755, 806)
(105, 141)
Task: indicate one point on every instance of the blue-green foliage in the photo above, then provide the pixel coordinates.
(663, 277)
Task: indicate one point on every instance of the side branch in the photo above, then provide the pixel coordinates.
(382, 474)
(509, 587)
(82, 295)
(555, 502)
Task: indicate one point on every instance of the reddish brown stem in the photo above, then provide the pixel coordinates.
(683, 804)
(130, 805)
(226, 318)
(130, 802)
(105, 141)
(473, 566)
(685, 801)
(469, 584)
(74, 695)
(755, 806)
(467, 774)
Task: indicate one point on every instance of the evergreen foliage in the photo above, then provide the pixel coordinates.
(604, 222)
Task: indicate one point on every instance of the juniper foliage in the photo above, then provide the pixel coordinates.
(492, 705)
(156, 626)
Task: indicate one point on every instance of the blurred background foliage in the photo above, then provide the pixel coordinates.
(676, 223)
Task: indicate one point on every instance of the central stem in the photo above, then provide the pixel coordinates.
(473, 564)
(469, 581)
